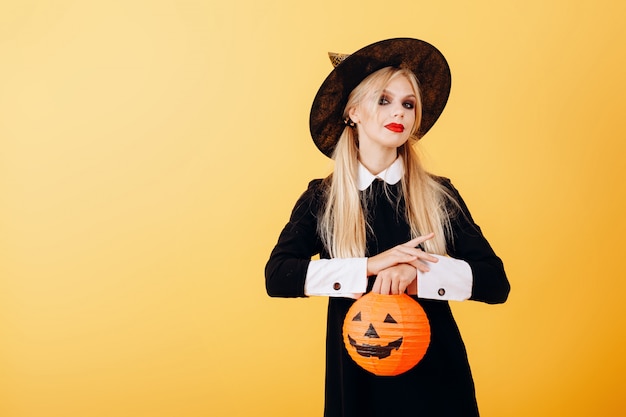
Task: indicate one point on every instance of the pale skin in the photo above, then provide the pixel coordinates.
(396, 268)
(379, 139)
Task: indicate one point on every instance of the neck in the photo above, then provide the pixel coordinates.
(376, 162)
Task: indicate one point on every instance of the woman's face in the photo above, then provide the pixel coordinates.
(389, 124)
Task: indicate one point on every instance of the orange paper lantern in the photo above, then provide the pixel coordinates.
(386, 334)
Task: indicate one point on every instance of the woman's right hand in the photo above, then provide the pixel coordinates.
(406, 253)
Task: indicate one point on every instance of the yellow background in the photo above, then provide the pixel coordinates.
(151, 151)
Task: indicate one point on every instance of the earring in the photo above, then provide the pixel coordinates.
(348, 122)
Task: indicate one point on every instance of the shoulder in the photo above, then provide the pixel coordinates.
(316, 190)
(455, 205)
(444, 182)
(446, 189)
(316, 186)
(311, 199)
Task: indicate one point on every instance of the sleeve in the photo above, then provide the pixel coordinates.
(337, 277)
(286, 269)
(448, 279)
(467, 242)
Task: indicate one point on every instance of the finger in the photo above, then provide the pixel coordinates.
(411, 289)
(427, 257)
(376, 287)
(418, 240)
(401, 253)
(405, 251)
(418, 253)
(409, 277)
(385, 260)
(385, 286)
(403, 286)
(419, 265)
(396, 255)
(395, 287)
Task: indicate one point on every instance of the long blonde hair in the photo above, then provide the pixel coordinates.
(343, 225)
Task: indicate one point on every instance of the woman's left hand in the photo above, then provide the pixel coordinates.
(395, 279)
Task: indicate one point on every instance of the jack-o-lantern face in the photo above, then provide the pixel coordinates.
(371, 349)
(386, 334)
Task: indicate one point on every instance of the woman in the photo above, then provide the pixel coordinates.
(381, 223)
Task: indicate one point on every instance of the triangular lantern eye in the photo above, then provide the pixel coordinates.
(357, 317)
(390, 319)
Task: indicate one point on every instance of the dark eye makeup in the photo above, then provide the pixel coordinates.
(384, 100)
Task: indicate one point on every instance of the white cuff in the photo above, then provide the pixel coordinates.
(337, 277)
(449, 279)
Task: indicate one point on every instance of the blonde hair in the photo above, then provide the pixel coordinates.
(343, 224)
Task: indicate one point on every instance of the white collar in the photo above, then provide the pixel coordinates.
(391, 175)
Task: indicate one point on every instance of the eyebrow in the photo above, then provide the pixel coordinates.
(385, 91)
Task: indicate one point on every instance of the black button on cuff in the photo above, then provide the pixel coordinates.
(336, 286)
(441, 292)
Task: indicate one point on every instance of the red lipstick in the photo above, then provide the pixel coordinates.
(395, 127)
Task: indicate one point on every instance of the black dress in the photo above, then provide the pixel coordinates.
(441, 384)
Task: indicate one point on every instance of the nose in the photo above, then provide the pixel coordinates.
(371, 332)
(399, 110)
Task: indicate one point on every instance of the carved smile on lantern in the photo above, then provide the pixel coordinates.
(386, 334)
(372, 350)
